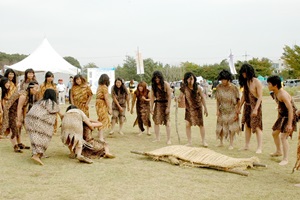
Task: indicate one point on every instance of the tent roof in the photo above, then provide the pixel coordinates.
(45, 58)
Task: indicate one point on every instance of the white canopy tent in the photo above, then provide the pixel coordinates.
(45, 58)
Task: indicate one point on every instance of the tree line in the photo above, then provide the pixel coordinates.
(127, 71)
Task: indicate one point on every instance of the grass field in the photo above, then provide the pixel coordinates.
(131, 176)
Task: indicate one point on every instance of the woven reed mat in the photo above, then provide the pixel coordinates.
(203, 156)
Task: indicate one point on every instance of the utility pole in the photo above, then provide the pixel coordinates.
(246, 56)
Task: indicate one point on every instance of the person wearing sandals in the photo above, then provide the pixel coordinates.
(39, 123)
(12, 118)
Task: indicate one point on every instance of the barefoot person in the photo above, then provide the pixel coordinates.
(228, 99)
(297, 164)
(142, 98)
(39, 123)
(252, 100)
(72, 135)
(194, 101)
(286, 122)
(120, 98)
(161, 96)
(103, 105)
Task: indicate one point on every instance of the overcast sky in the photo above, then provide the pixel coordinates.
(169, 31)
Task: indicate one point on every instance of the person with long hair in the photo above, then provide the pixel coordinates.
(161, 96)
(286, 122)
(39, 123)
(77, 137)
(194, 101)
(142, 98)
(103, 106)
(47, 84)
(12, 77)
(252, 101)
(29, 76)
(120, 98)
(81, 94)
(228, 100)
(11, 120)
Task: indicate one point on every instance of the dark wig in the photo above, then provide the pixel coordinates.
(4, 80)
(50, 94)
(30, 70)
(83, 81)
(9, 70)
(187, 75)
(225, 75)
(250, 73)
(47, 75)
(30, 96)
(157, 74)
(122, 89)
(274, 80)
(71, 107)
(104, 80)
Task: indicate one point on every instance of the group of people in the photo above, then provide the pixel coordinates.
(35, 106)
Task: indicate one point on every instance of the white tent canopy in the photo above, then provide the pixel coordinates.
(45, 58)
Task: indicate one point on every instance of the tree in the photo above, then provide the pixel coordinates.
(73, 61)
(291, 58)
(262, 67)
(10, 59)
(85, 68)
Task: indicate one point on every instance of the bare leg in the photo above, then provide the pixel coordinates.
(100, 134)
(285, 147)
(113, 123)
(247, 137)
(259, 140)
(276, 139)
(107, 153)
(121, 127)
(231, 138)
(37, 158)
(202, 133)
(148, 130)
(221, 140)
(157, 134)
(168, 130)
(188, 133)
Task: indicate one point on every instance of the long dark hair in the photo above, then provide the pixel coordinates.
(71, 107)
(48, 74)
(104, 80)
(144, 85)
(122, 89)
(30, 70)
(225, 75)
(187, 75)
(50, 94)
(157, 74)
(250, 73)
(9, 70)
(4, 80)
(83, 81)
(30, 96)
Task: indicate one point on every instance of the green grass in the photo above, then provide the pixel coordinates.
(131, 176)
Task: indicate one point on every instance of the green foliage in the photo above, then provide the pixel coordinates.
(263, 67)
(73, 61)
(10, 59)
(291, 57)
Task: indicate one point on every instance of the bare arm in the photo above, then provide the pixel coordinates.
(169, 92)
(21, 103)
(203, 100)
(259, 92)
(133, 102)
(152, 97)
(106, 98)
(284, 97)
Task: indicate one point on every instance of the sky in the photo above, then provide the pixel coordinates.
(104, 32)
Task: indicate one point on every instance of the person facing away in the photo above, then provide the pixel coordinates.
(252, 101)
(194, 101)
(286, 121)
(161, 96)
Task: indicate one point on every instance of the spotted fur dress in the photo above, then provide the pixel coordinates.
(142, 111)
(161, 103)
(249, 105)
(39, 123)
(193, 106)
(80, 95)
(227, 121)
